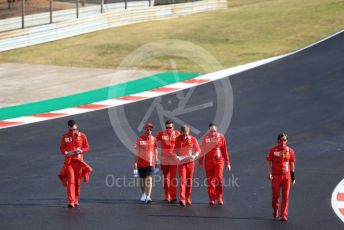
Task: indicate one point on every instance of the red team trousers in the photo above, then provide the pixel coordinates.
(214, 173)
(281, 182)
(74, 172)
(186, 171)
(170, 181)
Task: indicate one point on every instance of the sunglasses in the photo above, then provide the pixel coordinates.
(283, 140)
(169, 127)
(148, 129)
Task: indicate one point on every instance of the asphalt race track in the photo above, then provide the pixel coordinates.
(301, 94)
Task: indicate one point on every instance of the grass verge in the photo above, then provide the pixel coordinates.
(248, 30)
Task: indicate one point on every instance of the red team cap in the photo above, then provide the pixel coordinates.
(148, 125)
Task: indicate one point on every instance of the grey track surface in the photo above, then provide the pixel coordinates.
(301, 94)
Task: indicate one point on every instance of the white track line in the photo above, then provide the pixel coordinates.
(112, 102)
(72, 111)
(149, 94)
(27, 119)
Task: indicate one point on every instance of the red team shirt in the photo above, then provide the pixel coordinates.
(168, 141)
(146, 146)
(72, 142)
(280, 159)
(214, 147)
(186, 146)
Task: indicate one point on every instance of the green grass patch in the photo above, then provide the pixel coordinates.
(248, 30)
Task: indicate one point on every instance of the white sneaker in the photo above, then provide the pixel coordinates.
(148, 200)
(143, 197)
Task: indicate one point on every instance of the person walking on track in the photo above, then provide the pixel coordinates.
(167, 138)
(281, 173)
(215, 153)
(73, 146)
(146, 157)
(186, 150)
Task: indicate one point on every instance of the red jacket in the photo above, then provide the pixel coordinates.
(214, 147)
(146, 149)
(186, 145)
(280, 158)
(86, 172)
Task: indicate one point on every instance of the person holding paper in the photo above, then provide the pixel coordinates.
(73, 145)
(215, 153)
(186, 149)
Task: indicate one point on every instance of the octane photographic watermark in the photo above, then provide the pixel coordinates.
(112, 181)
(192, 106)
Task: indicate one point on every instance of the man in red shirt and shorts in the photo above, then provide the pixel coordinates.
(146, 156)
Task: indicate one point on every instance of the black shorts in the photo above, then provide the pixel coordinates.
(145, 171)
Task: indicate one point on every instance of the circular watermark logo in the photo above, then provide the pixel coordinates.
(194, 106)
